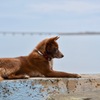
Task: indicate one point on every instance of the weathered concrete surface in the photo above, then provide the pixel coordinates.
(85, 88)
(93, 95)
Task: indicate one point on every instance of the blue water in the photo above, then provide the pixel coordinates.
(81, 53)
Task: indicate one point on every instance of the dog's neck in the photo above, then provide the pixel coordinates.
(44, 55)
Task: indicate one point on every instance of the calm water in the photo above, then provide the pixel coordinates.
(81, 53)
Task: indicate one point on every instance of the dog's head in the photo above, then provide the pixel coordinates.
(50, 48)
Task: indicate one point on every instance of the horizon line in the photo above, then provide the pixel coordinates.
(50, 33)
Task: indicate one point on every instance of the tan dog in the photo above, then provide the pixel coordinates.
(37, 64)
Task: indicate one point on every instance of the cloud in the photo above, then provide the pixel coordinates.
(74, 6)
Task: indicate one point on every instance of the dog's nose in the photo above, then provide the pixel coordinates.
(62, 55)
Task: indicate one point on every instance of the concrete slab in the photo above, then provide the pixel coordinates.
(85, 88)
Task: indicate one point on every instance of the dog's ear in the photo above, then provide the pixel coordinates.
(56, 38)
(53, 39)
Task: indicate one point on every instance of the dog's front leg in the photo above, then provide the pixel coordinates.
(62, 74)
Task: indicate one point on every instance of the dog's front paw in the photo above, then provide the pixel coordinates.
(77, 76)
(26, 76)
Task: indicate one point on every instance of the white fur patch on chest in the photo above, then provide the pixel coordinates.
(51, 64)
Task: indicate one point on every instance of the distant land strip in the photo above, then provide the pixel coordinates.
(50, 33)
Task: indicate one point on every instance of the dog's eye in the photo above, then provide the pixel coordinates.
(56, 50)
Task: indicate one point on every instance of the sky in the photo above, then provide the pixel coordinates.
(81, 53)
(50, 15)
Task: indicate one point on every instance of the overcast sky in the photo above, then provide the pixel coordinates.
(81, 53)
(50, 15)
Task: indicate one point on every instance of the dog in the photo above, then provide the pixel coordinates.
(37, 64)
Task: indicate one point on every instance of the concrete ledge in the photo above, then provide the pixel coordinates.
(85, 88)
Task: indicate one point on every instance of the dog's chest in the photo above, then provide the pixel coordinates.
(51, 64)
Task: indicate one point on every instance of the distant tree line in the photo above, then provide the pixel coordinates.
(50, 33)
